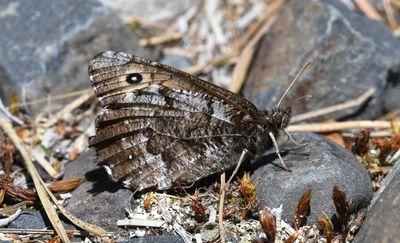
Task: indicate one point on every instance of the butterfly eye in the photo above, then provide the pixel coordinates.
(134, 78)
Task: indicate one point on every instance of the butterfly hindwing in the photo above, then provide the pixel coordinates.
(160, 127)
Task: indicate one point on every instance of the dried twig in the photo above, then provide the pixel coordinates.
(338, 126)
(331, 109)
(221, 210)
(368, 9)
(34, 231)
(241, 159)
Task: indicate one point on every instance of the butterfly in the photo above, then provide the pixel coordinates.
(161, 127)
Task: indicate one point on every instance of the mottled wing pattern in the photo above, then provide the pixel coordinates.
(165, 127)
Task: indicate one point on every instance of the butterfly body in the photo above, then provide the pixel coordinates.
(161, 127)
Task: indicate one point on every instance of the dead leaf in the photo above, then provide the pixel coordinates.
(267, 222)
(65, 185)
(302, 209)
(343, 207)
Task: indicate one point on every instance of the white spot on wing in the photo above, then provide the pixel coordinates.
(220, 111)
(108, 170)
(127, 182)
(128, 97)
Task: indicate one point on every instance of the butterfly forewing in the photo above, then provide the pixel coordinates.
(161, 127)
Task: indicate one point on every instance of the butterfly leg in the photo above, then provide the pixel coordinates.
(294, 141)
(271, 135)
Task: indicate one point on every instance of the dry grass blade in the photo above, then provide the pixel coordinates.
(343, 207)
(327, 228)
(65, 185)
(34, 231)
(50, 211)
(267, 222)
(81, 224)
(302, 209)
(84, 96)
(56, 97)
(158, 40)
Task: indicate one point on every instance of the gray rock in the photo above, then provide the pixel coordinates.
(98, 201)
(158, 239)
(349, 52)
(319, 165)
(46, 45)
(382, 222)
(31, 219)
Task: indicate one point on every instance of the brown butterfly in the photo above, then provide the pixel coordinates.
(161, 127)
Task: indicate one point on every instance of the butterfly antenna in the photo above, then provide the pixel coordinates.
(305, 66)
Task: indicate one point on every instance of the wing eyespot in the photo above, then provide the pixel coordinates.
(134, 78)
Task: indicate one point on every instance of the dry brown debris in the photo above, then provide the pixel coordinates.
(7, 188)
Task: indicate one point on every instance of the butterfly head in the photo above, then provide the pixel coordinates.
(278, 118)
